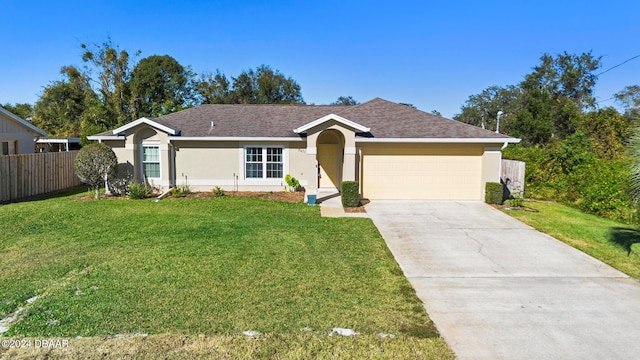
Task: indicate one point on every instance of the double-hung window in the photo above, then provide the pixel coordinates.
(264, 163)
(151, 161)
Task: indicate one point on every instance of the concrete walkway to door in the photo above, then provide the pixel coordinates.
(498, 289)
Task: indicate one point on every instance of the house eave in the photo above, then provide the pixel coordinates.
(71, 140)
(440, 140)
(233, 138)
(106, 137)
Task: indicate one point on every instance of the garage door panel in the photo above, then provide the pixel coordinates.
(391, 176)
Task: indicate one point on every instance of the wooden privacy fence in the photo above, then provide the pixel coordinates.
(26, 175)
(512, 177)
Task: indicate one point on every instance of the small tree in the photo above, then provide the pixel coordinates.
(95, 164)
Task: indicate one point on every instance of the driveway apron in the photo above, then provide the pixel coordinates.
(499, 289)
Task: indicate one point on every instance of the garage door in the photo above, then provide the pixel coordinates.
(406, 173)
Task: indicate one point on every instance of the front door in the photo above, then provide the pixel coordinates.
(328, 164)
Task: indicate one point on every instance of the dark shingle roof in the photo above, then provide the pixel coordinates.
(385, 119)
(240, 120)
(390, 120)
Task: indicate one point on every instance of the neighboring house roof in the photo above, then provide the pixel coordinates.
(383, 120)
(30, 127)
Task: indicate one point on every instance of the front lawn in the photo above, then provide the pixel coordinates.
(614, 243)
(187, 268)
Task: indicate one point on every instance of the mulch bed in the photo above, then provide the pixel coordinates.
(292, 197)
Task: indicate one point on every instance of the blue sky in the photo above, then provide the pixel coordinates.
(431, 54)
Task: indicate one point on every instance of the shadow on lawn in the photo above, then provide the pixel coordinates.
(52, 195)
(625, 237)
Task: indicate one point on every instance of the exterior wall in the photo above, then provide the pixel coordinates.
(11, 131)
(491, 163)
(450, 169)
(348, 145)
(125, 159)
(421, 171)
(204, 165)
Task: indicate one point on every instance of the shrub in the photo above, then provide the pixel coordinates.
(493, 193)
(139, 191)
(350, 193)
(217, 192)
(569, 172)
(94, 165)
(180, 191)
(292, 182)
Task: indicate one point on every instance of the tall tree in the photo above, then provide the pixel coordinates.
(265, 86)
(214, 89)
(23, 110)
(482, 109)
(609, 132)
(566, 76)
(160, 85)
(109, 67)
(260, 86)
(547, 105)
(629, 98)
(345, 100)
(62, 107)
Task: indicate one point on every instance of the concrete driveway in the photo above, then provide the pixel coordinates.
(498, 289)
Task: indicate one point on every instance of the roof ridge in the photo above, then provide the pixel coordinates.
(349, 108)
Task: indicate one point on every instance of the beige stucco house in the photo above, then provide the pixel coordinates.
(392, 150)
(17, 136)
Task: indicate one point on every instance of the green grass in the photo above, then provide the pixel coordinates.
(612, 242)
(218, 267)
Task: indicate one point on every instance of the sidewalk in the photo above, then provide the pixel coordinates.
(331, 206)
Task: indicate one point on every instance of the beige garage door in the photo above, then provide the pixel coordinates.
(408, 173)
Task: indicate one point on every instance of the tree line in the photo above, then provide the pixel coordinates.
(111, 88)
(576, 151)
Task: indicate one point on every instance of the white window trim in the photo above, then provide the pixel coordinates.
(244, 180)
(151, 144)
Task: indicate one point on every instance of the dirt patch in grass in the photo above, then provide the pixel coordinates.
(359, 209)
(89, 197)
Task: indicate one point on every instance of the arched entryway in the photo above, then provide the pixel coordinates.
(330, 146)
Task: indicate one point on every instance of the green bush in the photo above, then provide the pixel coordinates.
(292, 182)
(94, 165)
(139, 191)
(180, 191)
(494, 193)
(569, 172)
(217, 192)
(350, 193)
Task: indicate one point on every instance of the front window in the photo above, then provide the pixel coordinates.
(151, 161)
(263, 163)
